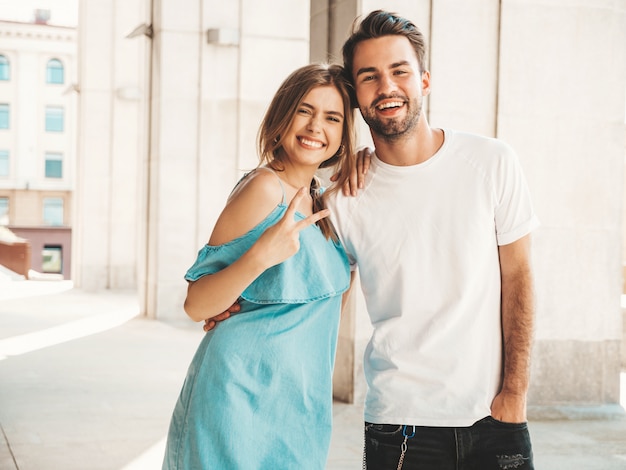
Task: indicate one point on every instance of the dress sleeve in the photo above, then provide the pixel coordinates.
(318, 270)
(210, 260)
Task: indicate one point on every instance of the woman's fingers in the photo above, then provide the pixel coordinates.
(293, 204)
(310, 220)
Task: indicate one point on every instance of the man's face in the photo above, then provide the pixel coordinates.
(389, 85)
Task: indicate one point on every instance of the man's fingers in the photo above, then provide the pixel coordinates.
(354, 178)
(234, 308)
(222, 316)
(345, 189)
(208, 325)
(363, 165)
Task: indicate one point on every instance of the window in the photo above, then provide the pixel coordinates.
(4, 211)
(54, 119)
(52, 259)
(54, 165)
(4, 163)
(53, 211)
(54, 72)
(5, 68)
(4, 116)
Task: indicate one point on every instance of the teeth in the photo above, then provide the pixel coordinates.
(392, 104)
(311, 143)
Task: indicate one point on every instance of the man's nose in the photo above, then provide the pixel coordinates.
(386, 85)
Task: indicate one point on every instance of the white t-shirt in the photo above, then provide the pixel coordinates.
(425, 240)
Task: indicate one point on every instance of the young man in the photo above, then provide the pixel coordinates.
(440, 236)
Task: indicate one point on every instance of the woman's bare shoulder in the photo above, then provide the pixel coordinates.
(254, 198)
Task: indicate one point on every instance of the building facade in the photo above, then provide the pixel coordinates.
(38, 76)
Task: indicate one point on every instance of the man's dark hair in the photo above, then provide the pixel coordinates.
(383, 23)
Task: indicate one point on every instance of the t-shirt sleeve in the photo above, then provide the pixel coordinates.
(514, 214)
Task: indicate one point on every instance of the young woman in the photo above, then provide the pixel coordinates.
(258, 392)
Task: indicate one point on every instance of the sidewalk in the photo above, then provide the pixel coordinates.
(86, 384)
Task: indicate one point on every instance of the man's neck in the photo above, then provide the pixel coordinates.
(413, 149)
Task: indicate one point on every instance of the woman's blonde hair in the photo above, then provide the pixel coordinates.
(280, 115)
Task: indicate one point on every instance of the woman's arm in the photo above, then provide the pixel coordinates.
(213, 294)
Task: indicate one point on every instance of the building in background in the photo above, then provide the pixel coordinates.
(38, 74)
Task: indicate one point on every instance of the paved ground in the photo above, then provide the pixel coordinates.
(85, 384)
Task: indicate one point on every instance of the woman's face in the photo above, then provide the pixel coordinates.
(316, 131)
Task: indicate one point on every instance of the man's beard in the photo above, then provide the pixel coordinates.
(393, 130)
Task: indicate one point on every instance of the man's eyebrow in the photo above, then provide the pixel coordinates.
(402, 63)
(363, 70)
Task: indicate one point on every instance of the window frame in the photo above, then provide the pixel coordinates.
(52, 120)
(5, 115)
(5, 68)
(49, 157)
(54, 67)
(5, 161)
(50, 218)
(7, 211)
(59, 260)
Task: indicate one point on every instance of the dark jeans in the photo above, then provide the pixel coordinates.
(486, 445)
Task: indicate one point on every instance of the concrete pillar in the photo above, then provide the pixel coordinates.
(464, 47)
(561, 105)
(110, 130)
(173, 155)
(215, 68)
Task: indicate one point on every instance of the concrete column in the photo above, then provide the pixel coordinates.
(173, 155)
(561, 105)
(215, 68)
(464, 47)
(110, 127)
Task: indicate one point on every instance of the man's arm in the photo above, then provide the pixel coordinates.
(517, 310)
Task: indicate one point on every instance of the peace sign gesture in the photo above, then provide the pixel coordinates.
(282, 240)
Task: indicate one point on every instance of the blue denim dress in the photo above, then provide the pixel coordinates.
(258, 392)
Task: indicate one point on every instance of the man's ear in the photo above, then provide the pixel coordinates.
(425, 83)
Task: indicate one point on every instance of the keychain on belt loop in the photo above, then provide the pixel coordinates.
(404, 446)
